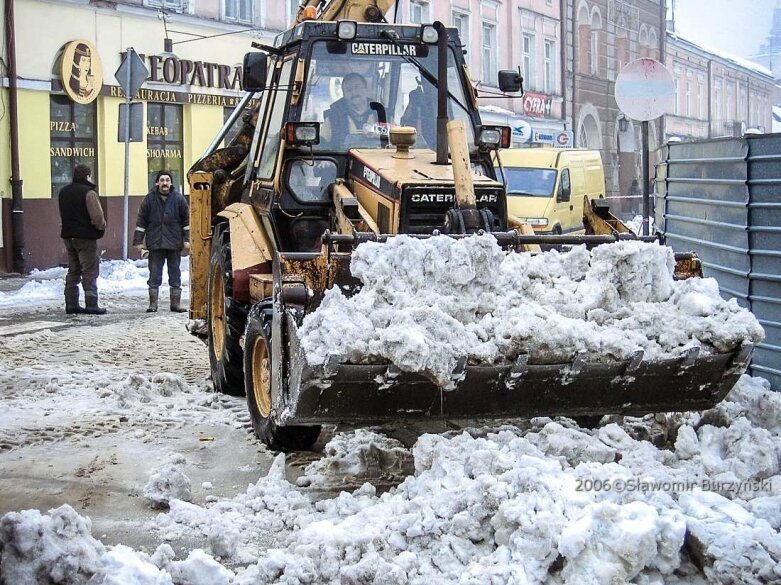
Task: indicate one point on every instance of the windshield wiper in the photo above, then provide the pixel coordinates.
(430, 77)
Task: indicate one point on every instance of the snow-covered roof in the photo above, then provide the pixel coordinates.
(739, 61)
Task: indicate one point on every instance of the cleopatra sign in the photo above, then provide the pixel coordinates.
(81, 72)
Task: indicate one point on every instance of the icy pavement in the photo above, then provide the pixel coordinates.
(102, 420)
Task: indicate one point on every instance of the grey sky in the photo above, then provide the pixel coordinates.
(737, 27)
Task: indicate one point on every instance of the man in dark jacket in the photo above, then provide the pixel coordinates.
(351, 121)
(83, 224)
(164, 224)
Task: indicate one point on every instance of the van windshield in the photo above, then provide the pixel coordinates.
(529, 182)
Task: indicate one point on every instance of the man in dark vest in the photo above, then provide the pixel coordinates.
(352, 120)
(163, 225)
(83, 224)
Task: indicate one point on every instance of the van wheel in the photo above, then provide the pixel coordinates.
(225, 318)
(258, 385)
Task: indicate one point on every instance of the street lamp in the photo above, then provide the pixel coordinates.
(623, 124)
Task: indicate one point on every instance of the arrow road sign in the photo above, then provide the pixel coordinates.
(132, 73)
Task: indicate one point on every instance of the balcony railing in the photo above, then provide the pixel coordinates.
(727, 128)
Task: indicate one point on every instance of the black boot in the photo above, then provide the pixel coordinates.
(176, 301)
(153, 295)
(72, 306)
(92, 306)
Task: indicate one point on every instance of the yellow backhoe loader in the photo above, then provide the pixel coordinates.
(309, 175)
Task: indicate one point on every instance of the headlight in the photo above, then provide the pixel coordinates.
(494, 137)
(429, 34)
(302, 133)
(346, 30)
(537, 221)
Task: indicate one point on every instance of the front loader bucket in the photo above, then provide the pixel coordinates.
(338, 391)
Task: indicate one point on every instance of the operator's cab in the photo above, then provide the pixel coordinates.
(340, 88)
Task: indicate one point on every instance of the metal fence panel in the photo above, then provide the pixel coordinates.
(722, 199)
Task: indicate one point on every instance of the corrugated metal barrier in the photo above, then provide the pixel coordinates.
(722, 199)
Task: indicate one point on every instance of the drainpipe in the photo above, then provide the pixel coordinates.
(563, 62)
(17, 213)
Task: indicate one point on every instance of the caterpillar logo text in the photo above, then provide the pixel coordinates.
(450, 198)
(384, 49)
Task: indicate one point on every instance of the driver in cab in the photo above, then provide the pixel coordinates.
(351, 121)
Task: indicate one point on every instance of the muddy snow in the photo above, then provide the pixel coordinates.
(120, 464)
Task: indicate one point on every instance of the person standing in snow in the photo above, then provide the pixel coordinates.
(82, 225)
(163, 227)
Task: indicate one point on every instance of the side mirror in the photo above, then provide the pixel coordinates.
(565, 190)
(254, 71)
(510, 81)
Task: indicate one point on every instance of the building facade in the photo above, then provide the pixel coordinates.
(508, 34)
(68, 102)
(603, 36)
(716, 94)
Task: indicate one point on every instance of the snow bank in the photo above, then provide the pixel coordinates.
(116, 276)
(426, 303)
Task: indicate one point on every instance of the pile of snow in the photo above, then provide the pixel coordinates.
(363, 454)
(636, 224)
(426, 303)
(553, 504)
(167, 483)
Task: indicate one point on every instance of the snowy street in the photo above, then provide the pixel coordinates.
(113, 419)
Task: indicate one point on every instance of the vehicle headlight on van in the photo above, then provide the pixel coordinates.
(537, 221)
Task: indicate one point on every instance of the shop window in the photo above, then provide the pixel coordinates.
(73, 133)
(238, 10)
(165, 142)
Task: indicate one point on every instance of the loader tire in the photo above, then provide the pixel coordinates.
(257, 381)
(225, 318)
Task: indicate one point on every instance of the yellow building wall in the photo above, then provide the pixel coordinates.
(34, 144)
(111, 155)
(201, 125)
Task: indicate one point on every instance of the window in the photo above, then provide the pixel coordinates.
(238, 124)
(292, 10)
(419, 12)
(461, 22)
(688, 98)
(528, 61)
(594, 53)
(717, 99)
(73, 133)
(268, 156)
(550, 67)
(238, 10)
(489, 54)
(677, 98)
(164, 142)
(172, 4)
(700, 100)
